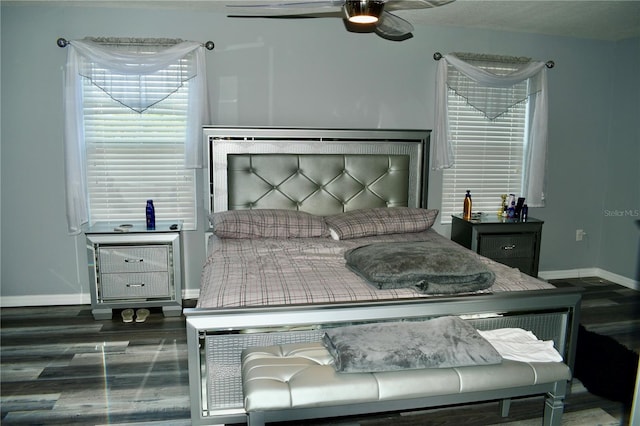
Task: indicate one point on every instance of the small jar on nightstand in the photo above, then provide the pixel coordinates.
(131, 266)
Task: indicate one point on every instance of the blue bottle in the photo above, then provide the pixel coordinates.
(151, 215)
(511, 210)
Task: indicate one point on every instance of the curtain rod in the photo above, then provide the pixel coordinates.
(63, 42)
(549, 64)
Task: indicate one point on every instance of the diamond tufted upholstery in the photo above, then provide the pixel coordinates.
(293, 381)
(323, 184)
(319, 171)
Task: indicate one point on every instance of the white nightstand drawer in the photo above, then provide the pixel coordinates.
(137, 268)
(135, 286)
(134, 259)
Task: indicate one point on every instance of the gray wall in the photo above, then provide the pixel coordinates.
(620, 247)
(312, 73)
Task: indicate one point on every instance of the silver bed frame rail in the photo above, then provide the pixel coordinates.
(221, 335)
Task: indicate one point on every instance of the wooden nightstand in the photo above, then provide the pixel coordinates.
(134, 267)
(509, 241)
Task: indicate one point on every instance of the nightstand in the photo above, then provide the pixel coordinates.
(509, 241)
(132, 267)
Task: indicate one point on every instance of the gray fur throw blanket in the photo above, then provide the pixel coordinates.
(420, 265)
(436, 343)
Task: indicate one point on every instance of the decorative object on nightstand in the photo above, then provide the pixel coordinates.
(466, 210)
(150, 212)
(513, 242)
(131, 266)
(503, 205)
(511, 206)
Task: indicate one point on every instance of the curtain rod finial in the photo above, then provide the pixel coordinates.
(209, 45)
(62, 42)
(437, 56)
(550, 64)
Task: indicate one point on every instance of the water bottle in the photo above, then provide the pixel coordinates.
(466, 211)
(151, 215)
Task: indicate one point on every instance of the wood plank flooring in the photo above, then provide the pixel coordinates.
(59, 366)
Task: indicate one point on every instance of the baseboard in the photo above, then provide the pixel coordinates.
(568, 273)
(190, 293)
(66, 299)
(45, 300)
(590, 272)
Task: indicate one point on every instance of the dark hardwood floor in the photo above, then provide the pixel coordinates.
(59, 366)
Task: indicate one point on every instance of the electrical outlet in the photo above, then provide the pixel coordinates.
(580, 234)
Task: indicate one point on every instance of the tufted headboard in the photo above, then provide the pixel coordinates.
(320, 171)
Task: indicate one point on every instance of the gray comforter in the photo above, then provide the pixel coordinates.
(269, 271)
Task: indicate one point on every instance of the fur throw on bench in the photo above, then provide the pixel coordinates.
(436, 343)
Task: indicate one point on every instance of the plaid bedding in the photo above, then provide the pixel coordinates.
(268, 272)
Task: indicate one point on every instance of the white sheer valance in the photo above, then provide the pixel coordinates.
(500, 80)
(132, 78)
(124, 70)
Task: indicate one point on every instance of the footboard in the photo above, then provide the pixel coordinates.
(216, 338)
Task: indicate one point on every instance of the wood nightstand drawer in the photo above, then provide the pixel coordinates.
(134, 259)
(135, 286)
(509, 241)
(507, 246)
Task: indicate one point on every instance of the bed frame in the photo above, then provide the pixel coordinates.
(326, 171)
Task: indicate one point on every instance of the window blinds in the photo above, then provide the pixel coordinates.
(132, 156)
(489, 153)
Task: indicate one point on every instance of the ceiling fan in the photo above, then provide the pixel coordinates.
(358, 15)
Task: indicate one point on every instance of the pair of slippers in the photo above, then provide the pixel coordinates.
(141, 315)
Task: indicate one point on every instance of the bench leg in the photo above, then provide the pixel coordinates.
(554, 405)
(505, 405)
(255, 418)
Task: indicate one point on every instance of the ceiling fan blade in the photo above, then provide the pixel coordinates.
(415, 4)
(288, 8)
(434, 3)
(393, 27)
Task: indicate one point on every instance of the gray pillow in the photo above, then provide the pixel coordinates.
(437, 343)
(267, 223)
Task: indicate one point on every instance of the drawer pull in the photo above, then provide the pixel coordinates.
(135, 285)
(129, 260)
(511, 247)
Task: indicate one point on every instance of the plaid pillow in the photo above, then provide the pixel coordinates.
(267, 223)
(380, 221)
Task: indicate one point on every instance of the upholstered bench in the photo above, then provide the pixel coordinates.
(298, 381)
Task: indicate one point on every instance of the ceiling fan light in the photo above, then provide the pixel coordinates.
(363, 11)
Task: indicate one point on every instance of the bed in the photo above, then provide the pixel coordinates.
(288, 207)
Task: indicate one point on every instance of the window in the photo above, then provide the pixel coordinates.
(132, 157)
(134, 110)
(488, 154)
(490, 132)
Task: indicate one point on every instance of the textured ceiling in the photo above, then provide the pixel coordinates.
(604, 20)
